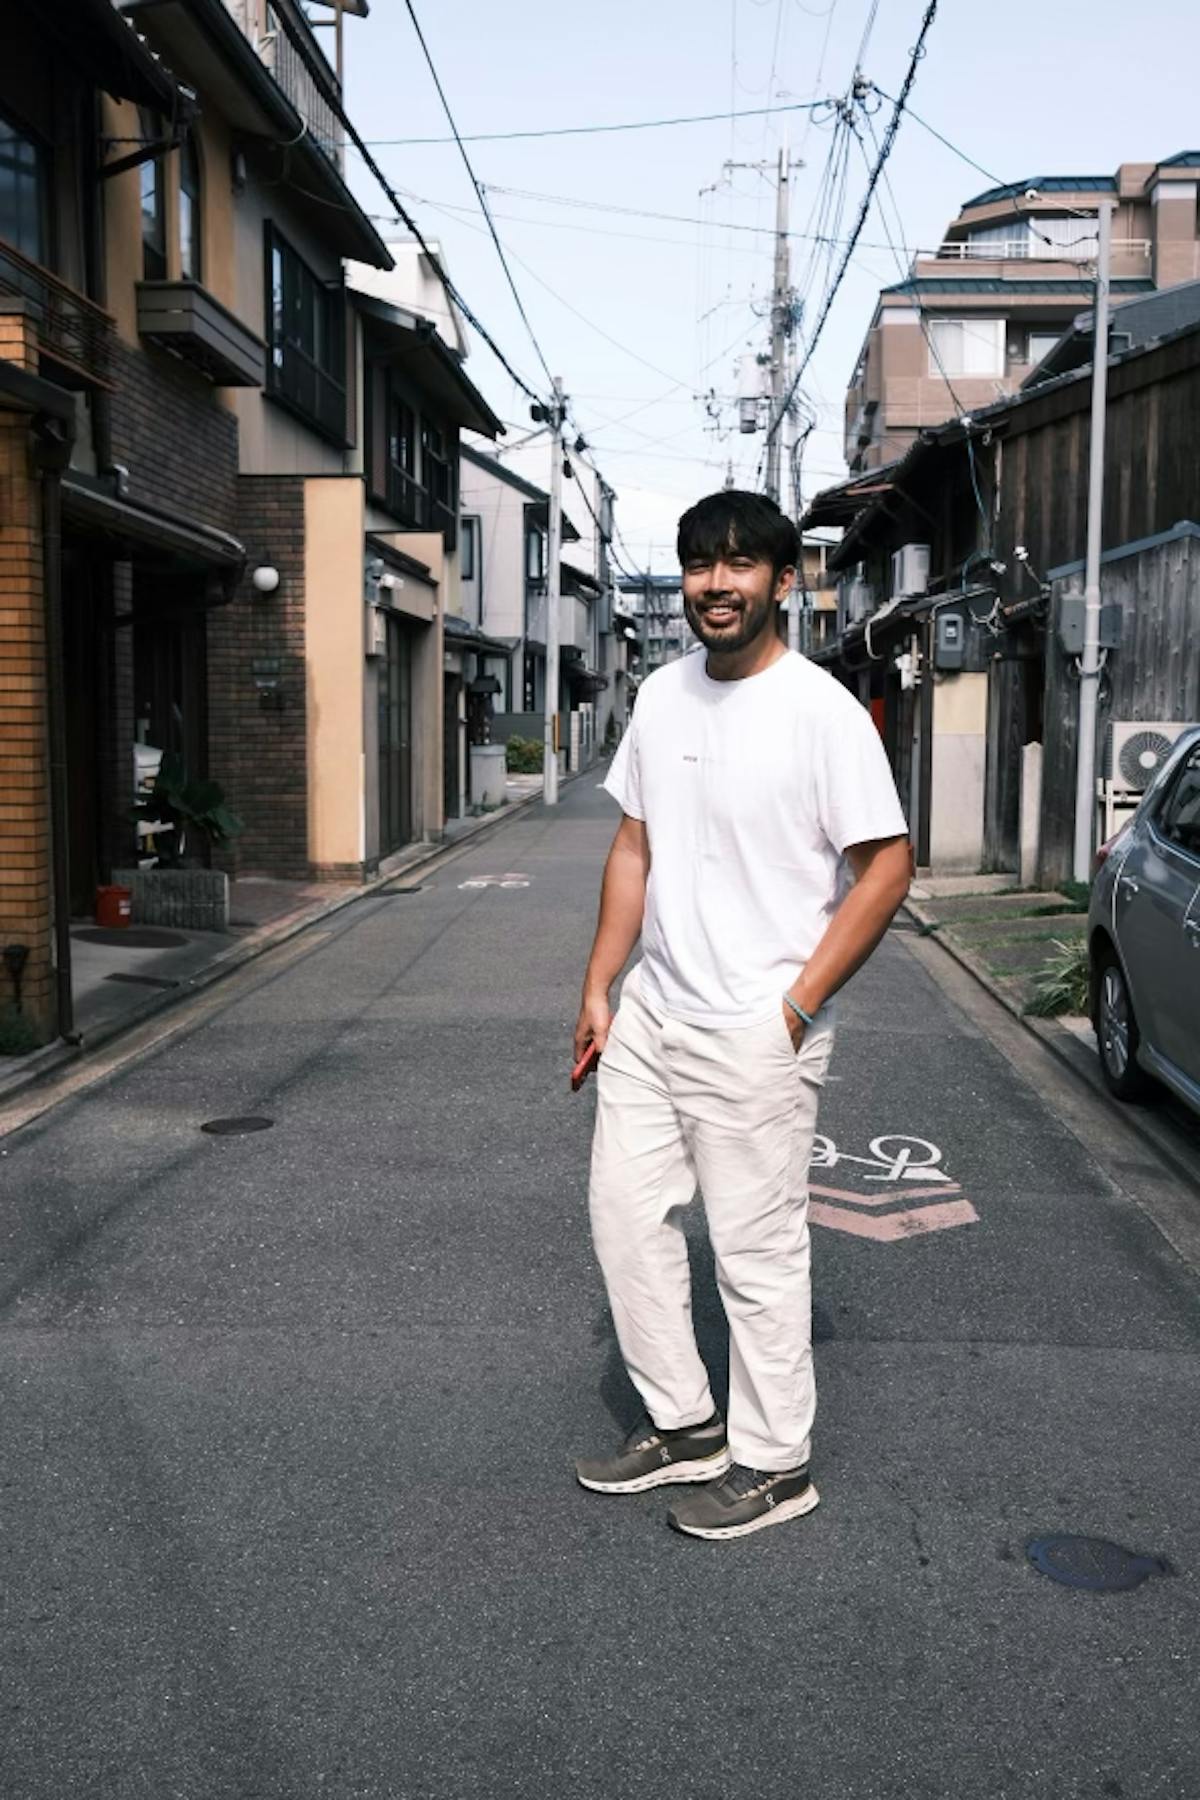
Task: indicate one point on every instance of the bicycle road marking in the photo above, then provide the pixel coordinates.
(510, 879)
(893, 1157)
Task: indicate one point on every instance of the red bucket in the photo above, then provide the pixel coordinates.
(114, 906)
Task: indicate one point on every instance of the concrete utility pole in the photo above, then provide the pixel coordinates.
(781, 319)
(1089, 672)
(553, 590)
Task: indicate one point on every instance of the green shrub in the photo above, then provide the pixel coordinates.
(1062, 982)
(17, 1036)
(523, 756)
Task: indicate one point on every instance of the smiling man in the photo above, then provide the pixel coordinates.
(761, 855)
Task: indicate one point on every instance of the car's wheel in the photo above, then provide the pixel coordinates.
(1117, 1034)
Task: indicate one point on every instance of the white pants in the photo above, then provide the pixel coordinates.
(733, 1111)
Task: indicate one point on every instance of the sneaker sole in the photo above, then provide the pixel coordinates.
(707, 1468)
(794, 1508)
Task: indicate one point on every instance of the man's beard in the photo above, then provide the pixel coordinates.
(756, 617)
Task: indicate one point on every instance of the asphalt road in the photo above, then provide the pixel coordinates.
(286, 1505)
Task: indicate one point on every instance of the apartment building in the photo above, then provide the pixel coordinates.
(975, 316)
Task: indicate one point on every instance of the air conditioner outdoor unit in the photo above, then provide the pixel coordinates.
(1135, 750)
(910, 571)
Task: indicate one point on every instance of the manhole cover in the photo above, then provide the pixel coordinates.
(131, 937)
(236, 1127)
(1093, 1563)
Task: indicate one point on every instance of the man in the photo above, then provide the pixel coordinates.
(753, 785)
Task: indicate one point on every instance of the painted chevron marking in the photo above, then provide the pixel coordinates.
(896, 1227)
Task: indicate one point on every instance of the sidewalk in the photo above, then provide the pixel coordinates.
(1000, 931)
(120, 977)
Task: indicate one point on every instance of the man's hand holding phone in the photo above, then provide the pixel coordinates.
(591, 1035)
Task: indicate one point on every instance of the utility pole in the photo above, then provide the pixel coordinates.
(781, 320)
(1089, 671)
(553, 589)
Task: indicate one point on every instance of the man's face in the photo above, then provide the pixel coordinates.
(731, 599)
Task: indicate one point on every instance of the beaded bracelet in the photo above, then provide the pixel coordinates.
(798, 1010)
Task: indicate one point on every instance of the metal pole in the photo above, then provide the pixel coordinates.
(780, 304)
(1089, 673)
(553, 589)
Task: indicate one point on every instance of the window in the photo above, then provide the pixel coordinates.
(189, 210)
(1180, 817)
(154, 218)
(535, 553)
(402, 435)
(468, 562)
(1040, 344)
(22, 193)
(305, 334)
(437, 469)
(966, 347)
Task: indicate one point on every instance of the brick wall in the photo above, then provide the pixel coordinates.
(178, 443)
(260, 756)
(25, 899)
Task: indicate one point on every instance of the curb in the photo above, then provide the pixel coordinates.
(1064, 1046)
(52, 1058)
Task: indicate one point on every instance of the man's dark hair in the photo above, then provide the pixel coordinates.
(735, 520)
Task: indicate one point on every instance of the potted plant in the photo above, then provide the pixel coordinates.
(184, 814)
(180, 817)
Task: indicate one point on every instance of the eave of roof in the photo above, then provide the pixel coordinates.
(205, 41)
(419, 342)
(996, 284)
(494, 466)
(94, 34)
(1045, 184)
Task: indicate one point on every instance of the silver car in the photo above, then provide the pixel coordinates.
(1144, 937)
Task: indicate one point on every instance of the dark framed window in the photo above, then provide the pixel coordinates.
(23, 188)
(437, 468)
(535, 552)
(306, 366)
(403, 493)
(190, 214)
(468, 554)
(154, 213)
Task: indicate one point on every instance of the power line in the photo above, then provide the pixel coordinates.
(885, 151)
(499, 137)
(478, 190)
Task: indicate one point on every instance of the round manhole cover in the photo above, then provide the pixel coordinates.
(131, 937)
(236, 1127)
(1095, 1564)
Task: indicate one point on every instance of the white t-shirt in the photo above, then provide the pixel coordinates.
(750, 791)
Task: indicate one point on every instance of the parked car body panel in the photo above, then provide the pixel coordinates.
(1146, 903)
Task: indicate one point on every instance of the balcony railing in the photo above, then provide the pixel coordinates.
(1128, 254)
(295, 77)
(73, 332)
(406, 498)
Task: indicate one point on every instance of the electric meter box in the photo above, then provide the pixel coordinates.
(950, 641)
(1071, 625)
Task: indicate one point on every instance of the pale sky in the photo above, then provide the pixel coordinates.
(643, 316)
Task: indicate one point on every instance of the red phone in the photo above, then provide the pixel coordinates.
(584, 1067)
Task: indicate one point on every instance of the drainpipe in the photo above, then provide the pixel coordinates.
(53, 440)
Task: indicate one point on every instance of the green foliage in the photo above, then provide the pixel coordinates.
(1079, 893)
(17, 1036)
(1061, 985)
(186, 808)
(523, 756)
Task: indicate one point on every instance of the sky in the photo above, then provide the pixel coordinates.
(644, 316)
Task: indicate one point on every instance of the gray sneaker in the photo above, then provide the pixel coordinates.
(744, 1500)
(651, 1458)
